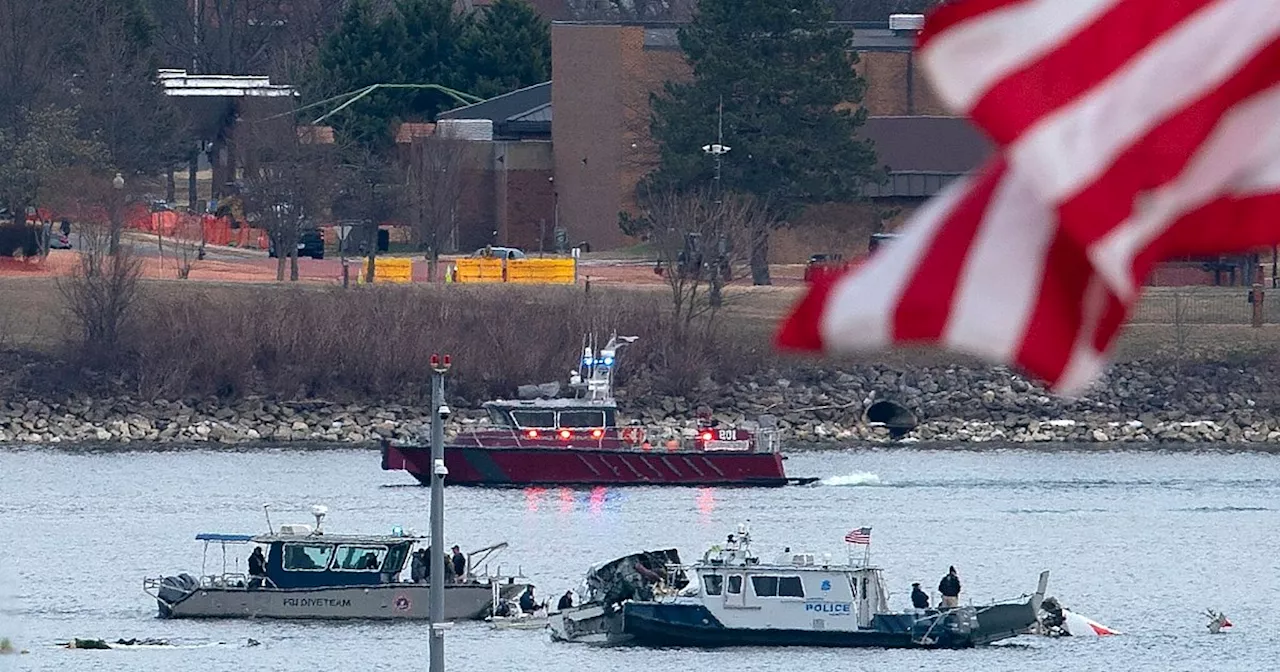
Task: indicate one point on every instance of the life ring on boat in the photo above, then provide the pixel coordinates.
(402, 603)
(633, 435)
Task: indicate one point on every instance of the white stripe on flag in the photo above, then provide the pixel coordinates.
(969, 58)
(863, 303)
(1248, 135)
(998, 288)
(1067, 150)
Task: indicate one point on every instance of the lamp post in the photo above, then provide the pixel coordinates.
(117, 185)
(439, 413)
(718, 150)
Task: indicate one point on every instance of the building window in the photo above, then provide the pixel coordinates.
(713, 583)
(307, 557)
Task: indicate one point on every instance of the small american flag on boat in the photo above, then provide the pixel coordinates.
(862, 535)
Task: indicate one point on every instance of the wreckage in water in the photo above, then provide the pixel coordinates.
(313, 575)
(732, 598)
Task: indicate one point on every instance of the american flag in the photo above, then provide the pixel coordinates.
(862, 535)
(1129, 132)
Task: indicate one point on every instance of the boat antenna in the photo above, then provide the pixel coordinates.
(266, 511)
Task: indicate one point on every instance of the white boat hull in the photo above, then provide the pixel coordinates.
(407, 601)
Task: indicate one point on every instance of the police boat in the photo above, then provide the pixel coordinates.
(733, 598)
(309, 574)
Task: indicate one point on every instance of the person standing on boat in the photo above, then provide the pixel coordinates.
(419, 567)
(257, 567)
(949, 586)
(566, 601)
(459, 562)
(919, 599)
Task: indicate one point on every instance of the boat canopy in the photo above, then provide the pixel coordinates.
(218, 536)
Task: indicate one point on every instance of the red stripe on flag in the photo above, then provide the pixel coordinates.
(1056, 319)
(1163, 152)
(802, 330)
(1060, 76)
(926, 302)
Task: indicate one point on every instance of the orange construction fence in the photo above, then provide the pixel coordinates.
(213, 230)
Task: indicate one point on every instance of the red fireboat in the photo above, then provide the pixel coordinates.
(578, 440)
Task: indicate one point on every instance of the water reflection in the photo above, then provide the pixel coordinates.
(533, 498)
(706, 504)
(598, 496)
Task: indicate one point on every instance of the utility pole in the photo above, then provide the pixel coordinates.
(439, 413)
(717, 150)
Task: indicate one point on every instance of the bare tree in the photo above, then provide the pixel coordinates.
(102, 291)
(185, 245)
(27, 57)
(434, 188)
(287, 183)
(702, 242)
(371, 193)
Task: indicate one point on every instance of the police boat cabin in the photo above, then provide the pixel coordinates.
(733, 598)
(299, 572)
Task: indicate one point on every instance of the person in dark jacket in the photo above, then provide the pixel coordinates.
(419, 566)
(459, 564)
(919, 599)
(528, 603)
(949, 586)
(257, 567)
(566, 601)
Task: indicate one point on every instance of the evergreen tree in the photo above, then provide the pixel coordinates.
(508, 47)
(500, 48)
(785, 77)
(432, 36)
(364, 50)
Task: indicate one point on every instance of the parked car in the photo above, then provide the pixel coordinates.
(59, 241)
(821, 266)
(500, 253)
(310, 244)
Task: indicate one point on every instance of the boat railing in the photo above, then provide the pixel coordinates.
(235, 581)
(626, 438)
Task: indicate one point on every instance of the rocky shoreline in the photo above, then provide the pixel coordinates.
(1141, 402)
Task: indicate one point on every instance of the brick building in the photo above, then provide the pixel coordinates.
(605, 73)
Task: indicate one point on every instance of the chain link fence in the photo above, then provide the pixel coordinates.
(1204, 305)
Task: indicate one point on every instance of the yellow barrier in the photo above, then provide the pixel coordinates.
(545, 271)
(524, 271)
(475, 269)
(397, 270)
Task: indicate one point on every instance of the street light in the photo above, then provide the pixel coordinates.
(117, 183)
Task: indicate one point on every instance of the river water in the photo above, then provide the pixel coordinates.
(1143, 542)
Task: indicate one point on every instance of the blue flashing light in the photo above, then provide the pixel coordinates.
(397, 531)
(586, 361)
(608, 361)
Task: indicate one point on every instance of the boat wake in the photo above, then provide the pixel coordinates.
(852, 479)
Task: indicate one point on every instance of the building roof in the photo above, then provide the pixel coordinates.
(521, 112)
(663, 35)
(923, 154)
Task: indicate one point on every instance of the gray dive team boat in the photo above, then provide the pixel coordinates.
(313, 575)
(733, 598)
